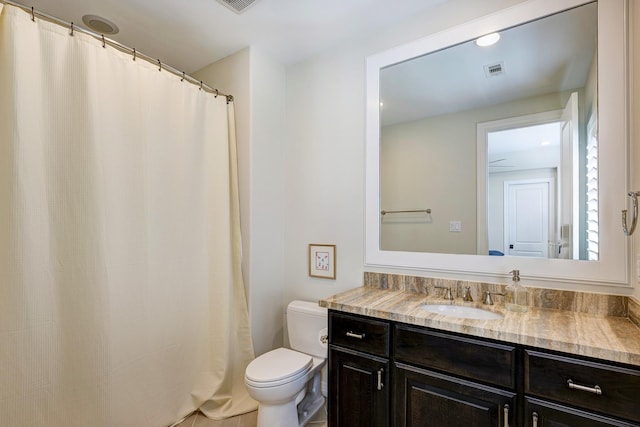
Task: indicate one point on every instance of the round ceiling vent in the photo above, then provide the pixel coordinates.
(100, 25)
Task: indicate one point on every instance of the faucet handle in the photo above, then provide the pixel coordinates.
(466, 295)
(487, 297)
(448, 294)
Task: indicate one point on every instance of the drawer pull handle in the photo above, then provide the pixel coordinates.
(534, 416)
(506, 415)
(380, 385)
(358, 336)
(595, 389)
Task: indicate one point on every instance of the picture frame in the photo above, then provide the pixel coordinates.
(322, 261)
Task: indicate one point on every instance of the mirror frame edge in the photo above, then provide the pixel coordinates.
(612, 273)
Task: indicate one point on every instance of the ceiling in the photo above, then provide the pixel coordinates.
(529, 138)
(528, 147)
(546, 56)
(190, 34)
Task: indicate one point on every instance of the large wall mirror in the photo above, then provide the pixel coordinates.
(488, 156)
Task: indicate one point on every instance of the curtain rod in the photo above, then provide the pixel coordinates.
(106, 41)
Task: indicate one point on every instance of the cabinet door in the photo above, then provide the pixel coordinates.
(429, 399)
(540, 413)
(358, 389)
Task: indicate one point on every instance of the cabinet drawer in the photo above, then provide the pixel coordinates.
(358, 333)
(538, 413)
(594, 386)
(479, 360)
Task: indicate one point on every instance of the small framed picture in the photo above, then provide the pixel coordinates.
(322, 261)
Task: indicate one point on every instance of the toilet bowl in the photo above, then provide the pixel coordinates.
(287, 382)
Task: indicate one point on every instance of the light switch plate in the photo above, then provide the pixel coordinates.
(455, 226)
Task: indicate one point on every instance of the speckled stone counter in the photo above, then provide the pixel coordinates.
(612, 338)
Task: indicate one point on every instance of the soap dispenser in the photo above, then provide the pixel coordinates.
(516, 295)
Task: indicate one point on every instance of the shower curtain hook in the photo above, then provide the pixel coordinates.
(200, 84)
(217, 93)
(33, 14)
(182, 79)
(134, 53)
(229, 99)
(104, 43)
(159, 65)
(71, 32)
(634, 221)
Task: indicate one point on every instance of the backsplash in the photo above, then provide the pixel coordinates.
(634, 311)
(583, 302)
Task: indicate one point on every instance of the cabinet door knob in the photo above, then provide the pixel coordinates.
(534, 419)
(595, 389)
(506, 415)
(354, 335)
(380, 385)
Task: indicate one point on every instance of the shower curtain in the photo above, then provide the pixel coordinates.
(121, 296)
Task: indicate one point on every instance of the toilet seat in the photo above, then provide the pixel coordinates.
(277, 367)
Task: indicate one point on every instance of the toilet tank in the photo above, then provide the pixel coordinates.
(306, 325)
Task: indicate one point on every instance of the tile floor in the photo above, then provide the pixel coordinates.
(245, 420)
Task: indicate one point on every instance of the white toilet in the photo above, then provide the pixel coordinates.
(287, 382)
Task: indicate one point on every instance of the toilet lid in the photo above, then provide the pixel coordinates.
(278, 365)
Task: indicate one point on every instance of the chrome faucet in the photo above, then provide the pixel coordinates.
(466, 295)
(448, 295)
(487, 297)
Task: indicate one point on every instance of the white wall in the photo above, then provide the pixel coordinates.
(307, 185)
(258, 86)
(267, 210)
(231, 75)
(429, 164)
(324, 185)
(417, 157)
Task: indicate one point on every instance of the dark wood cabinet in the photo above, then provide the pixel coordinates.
(429, 399)
(359, 389)
(563, 390)
(360, 333)
(443, 379)
(480, 360)
(592, 386)
(387, 373)
(540, 413)
(359, 372)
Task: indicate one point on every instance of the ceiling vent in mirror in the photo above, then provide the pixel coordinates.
(493, 70)
(238, 6)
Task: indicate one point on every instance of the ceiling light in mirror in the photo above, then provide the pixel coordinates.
(488, 40)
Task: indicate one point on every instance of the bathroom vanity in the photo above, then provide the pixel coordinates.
(573, 359)
(393, 363)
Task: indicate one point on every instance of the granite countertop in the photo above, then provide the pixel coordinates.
(609, 338)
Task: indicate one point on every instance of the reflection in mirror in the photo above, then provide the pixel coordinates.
(498, 142)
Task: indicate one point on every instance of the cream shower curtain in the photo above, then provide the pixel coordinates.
(121, 297)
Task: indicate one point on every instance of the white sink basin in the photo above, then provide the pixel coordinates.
(461, 311)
